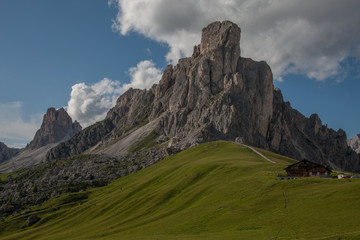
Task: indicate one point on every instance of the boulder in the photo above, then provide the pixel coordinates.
(32, 220)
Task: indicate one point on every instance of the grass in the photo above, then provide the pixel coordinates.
(218, 190)
(4, 176)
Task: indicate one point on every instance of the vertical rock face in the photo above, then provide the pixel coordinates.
(292, 134)
(222, 39)
(57, 126)
(216, 94)
(7, 153)
(355, 143)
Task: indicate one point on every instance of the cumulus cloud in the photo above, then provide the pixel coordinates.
(144, 75)
(294, 36)
(90, 103)
(13, 128)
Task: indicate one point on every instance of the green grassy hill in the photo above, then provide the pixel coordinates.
(218, 190)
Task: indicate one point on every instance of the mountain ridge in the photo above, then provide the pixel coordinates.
(216, 94)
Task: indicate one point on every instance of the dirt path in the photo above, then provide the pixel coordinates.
(258, 153)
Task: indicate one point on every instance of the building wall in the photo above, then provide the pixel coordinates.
(301, 172)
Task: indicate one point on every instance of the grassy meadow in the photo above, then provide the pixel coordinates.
(217, 190)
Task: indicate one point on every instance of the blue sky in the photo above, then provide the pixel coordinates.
(76, 54)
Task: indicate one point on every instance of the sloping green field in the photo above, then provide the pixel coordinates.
(218, 190)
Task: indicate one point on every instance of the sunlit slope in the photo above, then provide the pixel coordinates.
(218, 190)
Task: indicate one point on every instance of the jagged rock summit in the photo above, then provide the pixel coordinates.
(57, 126)
(215, 94)
(355, 143)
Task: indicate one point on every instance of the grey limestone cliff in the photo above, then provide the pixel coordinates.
(217, 94)
(57, 126)
(355, 143)
(292, 134)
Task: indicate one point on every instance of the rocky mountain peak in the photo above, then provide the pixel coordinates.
(215, 94)
(220, 34)
(57, 126)
(220, 41)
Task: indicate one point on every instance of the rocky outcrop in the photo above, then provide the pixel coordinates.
(7, 153)
(132, 110)
(216, 94)
(355, 143)
(292, 134)
(56, 127)
(82, 141)
(32, 220)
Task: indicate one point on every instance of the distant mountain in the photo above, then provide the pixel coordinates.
(215, 94)
(57, 126)
(355, 143)
(7, 153)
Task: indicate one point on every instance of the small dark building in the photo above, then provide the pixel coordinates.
(305, 168)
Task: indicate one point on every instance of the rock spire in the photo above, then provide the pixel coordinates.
(57, 126)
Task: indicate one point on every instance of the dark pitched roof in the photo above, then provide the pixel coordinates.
(308, 165)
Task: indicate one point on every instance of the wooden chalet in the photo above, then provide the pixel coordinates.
(305, 168)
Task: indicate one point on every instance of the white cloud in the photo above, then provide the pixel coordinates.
(144, 75)
(294, 36)
(14, 128)
(89, 104)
